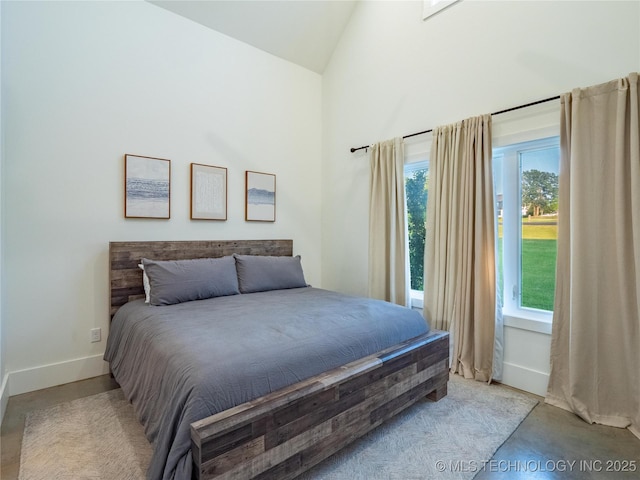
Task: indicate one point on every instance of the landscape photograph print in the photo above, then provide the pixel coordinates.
(260, 197)
(147, 187)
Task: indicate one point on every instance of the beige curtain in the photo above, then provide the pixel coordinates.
(595, 345)
(459, 259)
(388, 252)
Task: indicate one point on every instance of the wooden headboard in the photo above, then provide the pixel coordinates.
(125, 278)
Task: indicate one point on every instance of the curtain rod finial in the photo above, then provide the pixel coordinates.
(355, 149)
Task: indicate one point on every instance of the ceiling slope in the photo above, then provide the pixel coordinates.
(303, 32)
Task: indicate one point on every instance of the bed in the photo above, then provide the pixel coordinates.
(299, 407)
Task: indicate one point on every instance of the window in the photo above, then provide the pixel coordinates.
(416, 176)
(526, 182)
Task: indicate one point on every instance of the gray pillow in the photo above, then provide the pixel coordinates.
(262, 273)
(184, 280)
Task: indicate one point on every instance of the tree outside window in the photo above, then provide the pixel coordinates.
(539, 192)
(416, 185)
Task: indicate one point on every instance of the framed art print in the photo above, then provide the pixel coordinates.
(147, 187)
(208, 192)
(260, 197)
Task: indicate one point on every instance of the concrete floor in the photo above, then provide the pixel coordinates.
(549, 444)
(552, 443)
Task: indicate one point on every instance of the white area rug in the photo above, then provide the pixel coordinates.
(98, 438)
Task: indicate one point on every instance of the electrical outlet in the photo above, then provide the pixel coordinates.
(96, 335)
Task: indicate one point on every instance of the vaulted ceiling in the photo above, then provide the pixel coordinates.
(304, 32)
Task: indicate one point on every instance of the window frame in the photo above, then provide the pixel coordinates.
(532, 123)
(413, 162)
(514, 314)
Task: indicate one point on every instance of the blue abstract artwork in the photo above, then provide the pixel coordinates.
(147, 187)
(261, 197)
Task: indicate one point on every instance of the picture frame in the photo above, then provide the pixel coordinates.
(208, 192)
(260, 197)
(147, 187)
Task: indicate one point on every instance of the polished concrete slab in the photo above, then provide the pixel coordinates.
(549, 444)
(552, 443)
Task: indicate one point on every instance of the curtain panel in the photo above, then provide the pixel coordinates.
(388, 249)
(595, 343)
(459, 260)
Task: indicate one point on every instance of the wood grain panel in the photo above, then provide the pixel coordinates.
(125, 278)
(282, 434)
(301, 425)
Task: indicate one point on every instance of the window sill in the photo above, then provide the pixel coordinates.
(417, 299)
(530, 320)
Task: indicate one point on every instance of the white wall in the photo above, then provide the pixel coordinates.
(87, 82)
(393, 74)
(4, 393)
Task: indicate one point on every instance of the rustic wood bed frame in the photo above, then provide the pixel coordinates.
(282, 434)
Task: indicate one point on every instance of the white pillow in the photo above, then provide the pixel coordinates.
(145, 283)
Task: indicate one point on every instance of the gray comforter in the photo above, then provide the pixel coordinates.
(181, 363)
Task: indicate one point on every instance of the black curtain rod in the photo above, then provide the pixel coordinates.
(354, 149)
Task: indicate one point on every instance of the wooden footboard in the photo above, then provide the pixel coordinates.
(282, 434)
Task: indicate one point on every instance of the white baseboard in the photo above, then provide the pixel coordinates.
(525, 379)
(4, 395)
(45, 376)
